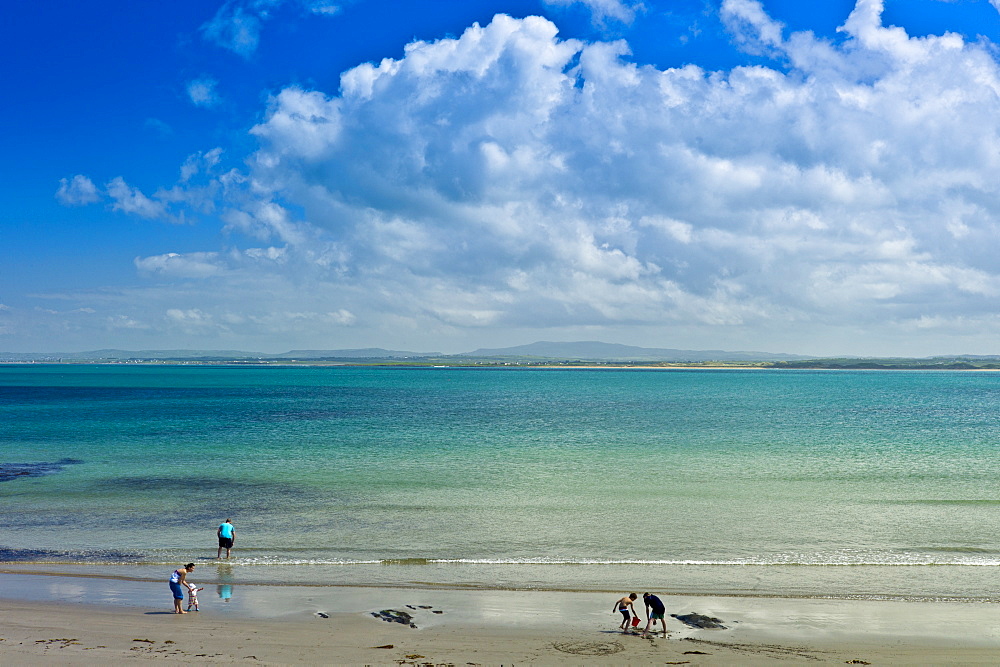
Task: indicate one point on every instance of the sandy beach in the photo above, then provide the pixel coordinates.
(48, 620)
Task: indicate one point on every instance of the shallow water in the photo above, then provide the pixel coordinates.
(803, 483)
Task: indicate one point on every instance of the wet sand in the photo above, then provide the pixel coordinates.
(69, 620)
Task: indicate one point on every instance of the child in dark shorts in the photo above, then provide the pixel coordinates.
(623, 606)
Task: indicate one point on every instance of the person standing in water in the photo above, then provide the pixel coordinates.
(227, 535)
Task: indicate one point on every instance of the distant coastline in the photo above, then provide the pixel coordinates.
(815, 364)
(541, 354)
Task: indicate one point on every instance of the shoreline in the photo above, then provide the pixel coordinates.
(963, 582)
(66, 572)
(51, 619)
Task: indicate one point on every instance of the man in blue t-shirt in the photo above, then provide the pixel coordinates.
(654, 612)
(227, 535)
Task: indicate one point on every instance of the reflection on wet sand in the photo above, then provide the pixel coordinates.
(225, 587)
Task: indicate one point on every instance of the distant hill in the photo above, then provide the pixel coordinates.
(597, 351)
(213, 355)
(364, 353)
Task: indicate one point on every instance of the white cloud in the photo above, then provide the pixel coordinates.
(194, 322)
(509, 180)
(202, 92)
(77, 191)
(305, 123)
(125, 322)
(200, 163)
(172, 264)
(324, 7)
(131, 200)
(342, 317)
(265, 220)
(237, 24)
(602, 10)
(644, 195)
(751, 26)
(865, 25)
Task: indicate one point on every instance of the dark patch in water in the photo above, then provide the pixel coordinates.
(8, 555)
(12, 471)
(186, 484)
(47, 520)
(209, 495)
(213, 489)
(205, 499)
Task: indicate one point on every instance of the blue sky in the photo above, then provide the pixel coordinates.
(266, 175)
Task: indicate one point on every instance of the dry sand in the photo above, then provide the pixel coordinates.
(283, 625)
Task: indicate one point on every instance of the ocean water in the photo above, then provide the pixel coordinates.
(752, 482)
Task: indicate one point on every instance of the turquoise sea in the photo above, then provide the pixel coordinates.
(751, 482)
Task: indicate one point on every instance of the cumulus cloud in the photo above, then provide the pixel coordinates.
(510, 179)
(77, 191)
(550, 180)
